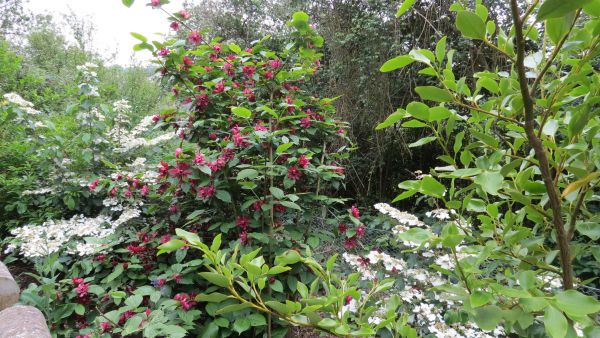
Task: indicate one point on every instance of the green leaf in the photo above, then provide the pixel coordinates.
(132, 325)
(283, 147)
(247, 174)
(232, 308)
(393, 118)
(418, 110)
(134, 301)
(416, 235)
(422, 141)
(278, 269)
(488, 317)
(241, 112)
(589, 229)
(127, 3)
(558, 8)
(223, 195)
(234, 48)
(214, 297)
(288, 257)
(576, 304)
(139, 37)
(555, 323)
(118, 294)
(396, 63)
(440, 49)
(256, 319)
(490, 181)
(215, 278)
(241, 324)
(170, 246)
(431, 187)
(277, 193)
(404, 7)
(432, 93)
(328, 323)
(559, 27)
(470, 25)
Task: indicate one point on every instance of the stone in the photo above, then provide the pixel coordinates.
(9, 290)
(21, 321)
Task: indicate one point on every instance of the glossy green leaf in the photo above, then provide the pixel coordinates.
(215, 278)
(432, 93)
(558, 8)
(404, 7)
(390, 120)
(241, 112)
(396, 63)
(555, 323)
(576, 304)
(470, 25)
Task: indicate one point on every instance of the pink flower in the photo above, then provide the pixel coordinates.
(93, 185)
(260, 127)
(305, 122)
(199, 159)
(174, 25)
(195, 38)
(341, 131)
(219, 87)
(355, 212)
(342, 228)
(206, 192)
(248, 50)
(164, 51)
(155, 3)
(105, 326)
(178, 152)
(350, 243)
(269, 74)
(257, 206)
(294, 173)
(145, 190)
(173, 208)
(181, 170)
(77, 280)
(360, 230)
(135, 249)
(248, 70)
(244, 238)
(274, 64)
(348, 300)
(82, 290)
(279, 208)
(242, 222)
(185, 301)
(126, 315)
(212, 136)
(184, 14)
(187, 61)
(164, 239)
(217, 48)
(303, 161)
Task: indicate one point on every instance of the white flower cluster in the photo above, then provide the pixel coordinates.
(52, 236)
(132, 139)
(25, 105)
(40, 191)
(440, 214)
(403, 217)
(361, 265)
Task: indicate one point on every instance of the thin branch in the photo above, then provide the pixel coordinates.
(553, 56)
(540, 152)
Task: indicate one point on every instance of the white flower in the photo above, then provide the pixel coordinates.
(441, 214)
(403, 217)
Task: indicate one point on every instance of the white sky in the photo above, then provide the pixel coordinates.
(113, 22)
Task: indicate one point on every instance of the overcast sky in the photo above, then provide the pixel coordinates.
(113, 22)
